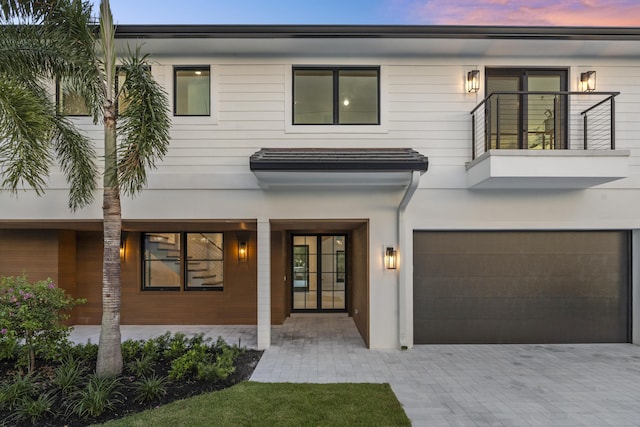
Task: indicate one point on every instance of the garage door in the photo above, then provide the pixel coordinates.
(521, 287)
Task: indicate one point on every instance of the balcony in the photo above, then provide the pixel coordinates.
(545, 140)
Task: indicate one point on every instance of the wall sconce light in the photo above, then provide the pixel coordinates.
(390, 258)
(243, 250)
(123, 245)
(588, 81)
(473, 81)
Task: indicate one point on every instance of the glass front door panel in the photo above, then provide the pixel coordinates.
(542, 111)
(319, 272)
(503, 112)
(528, 120)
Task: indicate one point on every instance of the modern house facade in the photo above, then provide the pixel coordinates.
(437, 184)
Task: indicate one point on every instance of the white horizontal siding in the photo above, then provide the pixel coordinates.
(425, 107)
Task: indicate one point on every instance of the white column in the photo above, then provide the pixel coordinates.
(264, 284)
(635, 287)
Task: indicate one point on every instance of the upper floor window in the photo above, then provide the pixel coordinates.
(193, 261)
(527, 108)
(191, 91)
(70, 102)
(336, 96)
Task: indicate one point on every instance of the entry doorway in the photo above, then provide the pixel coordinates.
(318, 263)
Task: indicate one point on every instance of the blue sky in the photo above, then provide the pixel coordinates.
(395, 12)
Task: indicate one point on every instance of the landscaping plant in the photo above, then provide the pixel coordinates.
(32, 315)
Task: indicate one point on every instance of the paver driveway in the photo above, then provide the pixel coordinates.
(467, 385)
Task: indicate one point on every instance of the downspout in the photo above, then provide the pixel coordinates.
(405, 294)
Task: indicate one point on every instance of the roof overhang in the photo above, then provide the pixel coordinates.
(546, 169)
(319, 168)
(381, 40)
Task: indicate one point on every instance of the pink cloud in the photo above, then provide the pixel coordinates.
(587, 13)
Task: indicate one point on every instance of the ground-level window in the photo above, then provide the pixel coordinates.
(191, 91)
(189, 261)
(336, 96)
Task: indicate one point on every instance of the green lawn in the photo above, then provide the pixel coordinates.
(280, 404)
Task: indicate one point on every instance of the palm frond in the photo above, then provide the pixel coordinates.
(143, 127)
(25, 135)
(76, 156)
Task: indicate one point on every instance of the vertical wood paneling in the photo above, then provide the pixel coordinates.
(236, 305)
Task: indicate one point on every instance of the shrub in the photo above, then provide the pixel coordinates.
(176, 346)
(101, 394)
(141, 366)
(32, 410)
(188, 362)
(32, 315)
(69, 375)
(85, 352)
(18, 388)
(131, 349)
(150, 388)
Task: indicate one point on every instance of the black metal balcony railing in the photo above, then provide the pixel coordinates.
(544, 121)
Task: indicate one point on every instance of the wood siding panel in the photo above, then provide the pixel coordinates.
(237, 304)
(30, 252)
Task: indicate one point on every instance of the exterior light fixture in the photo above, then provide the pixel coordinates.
(243, 250)
(473, 81)
(588, 81)
(390, 258)
(123, 245)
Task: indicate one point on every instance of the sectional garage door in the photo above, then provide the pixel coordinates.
(521, 287)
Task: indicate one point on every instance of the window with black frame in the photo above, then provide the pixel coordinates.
(336, 95)
(192, 91)
(189, 261)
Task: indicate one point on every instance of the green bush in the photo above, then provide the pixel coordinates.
(19, 387)
(188, 362)
(35, 409)
(150, 388)
(69, 375)
(101, 394)
(131, 349)
(141, 366)
(31, 315)
(85, 352)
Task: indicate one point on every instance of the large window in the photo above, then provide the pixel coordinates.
(70, 102)
(192, 94)
(519, 120)
(336, 96)
(190, 261)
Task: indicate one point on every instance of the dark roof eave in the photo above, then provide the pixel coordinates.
(376, 31)
(338, 160)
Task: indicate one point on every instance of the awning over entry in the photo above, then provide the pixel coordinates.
(336, 167)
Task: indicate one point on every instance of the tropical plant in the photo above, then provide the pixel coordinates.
(17, 388)
(101, 394)
(32, 316)
(35, 409)
(63, 46)
(68, 376)
(150, 388)
(141, 366)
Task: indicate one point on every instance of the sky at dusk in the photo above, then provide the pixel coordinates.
(625, 13)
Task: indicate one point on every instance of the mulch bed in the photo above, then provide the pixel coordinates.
(244, 364)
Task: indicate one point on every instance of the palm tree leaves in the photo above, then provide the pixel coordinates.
(25, 132)
(32, 134)
(143, 126)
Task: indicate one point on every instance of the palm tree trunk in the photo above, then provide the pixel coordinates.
(110, 352)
